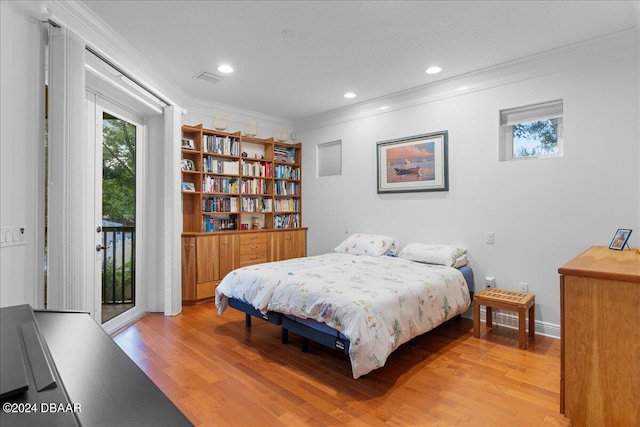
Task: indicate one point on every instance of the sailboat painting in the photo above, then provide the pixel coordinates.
(418, 163)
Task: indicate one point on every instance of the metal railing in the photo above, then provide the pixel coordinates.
(118, 265)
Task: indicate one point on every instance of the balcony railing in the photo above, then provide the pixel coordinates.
(118, 265)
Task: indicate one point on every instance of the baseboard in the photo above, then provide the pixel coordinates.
(509, 319)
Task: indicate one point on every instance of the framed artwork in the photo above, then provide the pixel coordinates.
(415, 163)
(620, 239)
(188, 143)
(187, 165)
(188, 186)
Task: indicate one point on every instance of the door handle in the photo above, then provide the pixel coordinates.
(100, 248)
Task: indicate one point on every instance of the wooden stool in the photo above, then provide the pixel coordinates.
(507, 300)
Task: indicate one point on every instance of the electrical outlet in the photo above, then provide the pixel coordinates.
(347, 229)
(490, 282)
(524, 287)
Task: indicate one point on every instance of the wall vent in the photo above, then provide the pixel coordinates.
(207, 76)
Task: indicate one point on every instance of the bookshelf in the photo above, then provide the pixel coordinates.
(241, 205)
(233, 182)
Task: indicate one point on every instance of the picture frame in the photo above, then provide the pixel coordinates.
(187, 165)
(188, 186)
(415, 163)
(188, 143)
(620, 239)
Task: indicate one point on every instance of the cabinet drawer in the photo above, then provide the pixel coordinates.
(253, 238)
(257, 248)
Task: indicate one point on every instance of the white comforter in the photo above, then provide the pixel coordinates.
(378, 303)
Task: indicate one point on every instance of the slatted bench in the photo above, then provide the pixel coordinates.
(507, 300)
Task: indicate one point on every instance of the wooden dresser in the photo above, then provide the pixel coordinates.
(600, 332)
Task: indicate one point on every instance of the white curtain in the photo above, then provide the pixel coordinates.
(70, 200)
(172, 212)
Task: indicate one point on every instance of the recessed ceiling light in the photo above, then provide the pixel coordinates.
(225, 69)
(349, 95)
(433, 70)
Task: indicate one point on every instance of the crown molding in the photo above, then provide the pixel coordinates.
(535, 66)
(101, 38)
(203, 106)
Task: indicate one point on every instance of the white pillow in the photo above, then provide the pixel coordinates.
(366, 244)
(434, 254)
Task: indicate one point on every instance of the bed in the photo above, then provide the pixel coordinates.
(356, 299)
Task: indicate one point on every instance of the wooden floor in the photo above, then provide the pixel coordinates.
(221, 374)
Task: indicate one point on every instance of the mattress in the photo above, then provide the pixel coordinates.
(376, 303)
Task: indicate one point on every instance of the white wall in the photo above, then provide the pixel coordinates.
(201, 112)
(543, 212)
(21, 170)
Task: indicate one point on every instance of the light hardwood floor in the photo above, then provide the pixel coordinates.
(221, 374)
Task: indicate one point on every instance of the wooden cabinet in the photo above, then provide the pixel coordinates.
(600, 307)
(188, 268)
(208, 257)
(228, 255)
(289, 244)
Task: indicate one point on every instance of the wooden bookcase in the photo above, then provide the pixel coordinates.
(241, 205)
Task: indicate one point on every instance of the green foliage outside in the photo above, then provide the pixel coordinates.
(118, 203)
(542, 132)
(118, 172)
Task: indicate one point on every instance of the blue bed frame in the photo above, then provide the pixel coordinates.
(313, 330)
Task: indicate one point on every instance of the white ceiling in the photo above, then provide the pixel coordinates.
(373, 48)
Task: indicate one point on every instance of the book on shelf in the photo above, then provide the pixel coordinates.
(284, 154)
(220, 204)
(212, 223)
(226, 145)
(286, 221)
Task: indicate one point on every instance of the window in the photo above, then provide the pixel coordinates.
(532, 131)
(329, 158)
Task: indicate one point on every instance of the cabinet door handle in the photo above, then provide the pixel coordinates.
(253, 246)
(288, 237)
(189, 245)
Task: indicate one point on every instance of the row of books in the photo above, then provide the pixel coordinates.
(211, 223)
(286, 172)
(213, 165)
(254, 186)
(286, 188)
(256, 204)
(212, 184)
(263, 169)
(284, 154)
(287, 205)
(220, 204)
(226, 145)
(286, 221)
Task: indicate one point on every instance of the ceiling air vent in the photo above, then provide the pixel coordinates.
(210, 77)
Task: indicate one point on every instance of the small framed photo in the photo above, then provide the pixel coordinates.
(416, 163)
(187, 165)
(188, 186)
(620, 239)
(188, 143)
